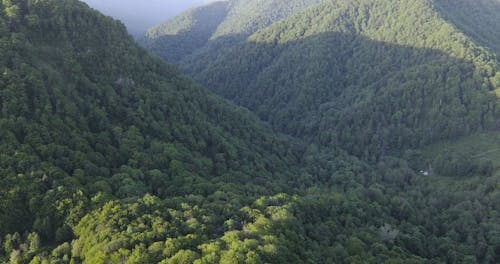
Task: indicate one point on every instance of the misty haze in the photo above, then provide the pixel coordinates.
(138, 15)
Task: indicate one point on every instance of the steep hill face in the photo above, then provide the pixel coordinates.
(109, 155)
(84, 110)
(478, 19)
(371, 76)
(186, 33)
(247, 17)
(209, 29)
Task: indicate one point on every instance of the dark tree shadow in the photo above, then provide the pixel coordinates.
(479, 19)
(174, 47)
(371, 98)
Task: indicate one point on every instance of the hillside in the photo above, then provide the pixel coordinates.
(186, 33)
(88, 117)
(208, 29)
(478, 19)
(109, 155)
(370, 76)
(84, 108)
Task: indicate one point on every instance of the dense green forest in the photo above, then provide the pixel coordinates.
(185, 33)
(210, 29)
(110, 155)
(373, 77)
(478, 19)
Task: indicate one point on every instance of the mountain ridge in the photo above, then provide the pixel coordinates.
(232, 69)
(68, 127)
(235, 21)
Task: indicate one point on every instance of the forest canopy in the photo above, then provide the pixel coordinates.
(111, 155)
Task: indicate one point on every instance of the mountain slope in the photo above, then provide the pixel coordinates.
(478, 19)
(84, 111)
(208, 29)
(186, 33)
(108, 155)
(246, 17)
(370, 76)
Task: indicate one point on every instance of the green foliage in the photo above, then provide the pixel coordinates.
(476, 155)
(108, 155)
(373, 77)
(87, 116)
(478, 19)
(84, 110)
(184, 34)
(246, 17)
(209, 28)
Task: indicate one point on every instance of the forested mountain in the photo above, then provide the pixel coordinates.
(109, 155)
(478, 19)
(371, 76)
(88, 117)
(213, 27)
(186, 33)
(83, 107)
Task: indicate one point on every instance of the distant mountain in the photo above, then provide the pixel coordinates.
(478, 19)
(225, 23)
(138, 16)
(371, 76)
(186, 33)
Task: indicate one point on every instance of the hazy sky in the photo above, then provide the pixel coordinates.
(140, 15)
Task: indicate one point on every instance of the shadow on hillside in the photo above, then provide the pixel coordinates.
(174, 47)
(372, 98)
(479, 19)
